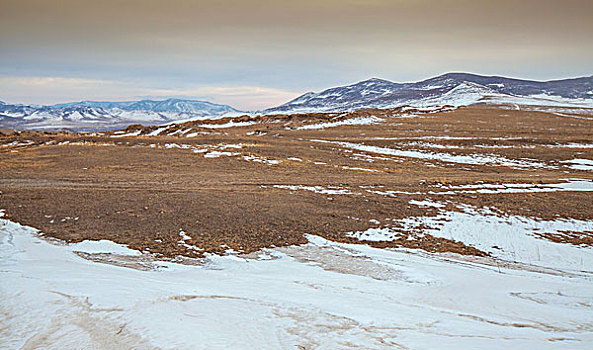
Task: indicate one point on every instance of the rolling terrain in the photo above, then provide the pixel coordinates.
(404, 227)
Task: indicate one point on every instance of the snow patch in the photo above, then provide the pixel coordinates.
(580, 164)
(352, 121)
(474, 159)
(102, 246)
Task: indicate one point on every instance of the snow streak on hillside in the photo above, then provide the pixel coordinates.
(454, 89)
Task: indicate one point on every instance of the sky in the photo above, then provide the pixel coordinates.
(254, 54)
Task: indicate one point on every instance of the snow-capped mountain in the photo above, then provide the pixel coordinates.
(170, 105)
(456, 89)
(452, 89)
(90, 115)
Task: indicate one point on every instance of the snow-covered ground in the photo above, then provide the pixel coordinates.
(508, 238)
(320, 295)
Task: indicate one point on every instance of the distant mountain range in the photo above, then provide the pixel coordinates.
(90, 115)
(453, 89)
(456, 89)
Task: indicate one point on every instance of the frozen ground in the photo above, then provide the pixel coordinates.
(322, 295)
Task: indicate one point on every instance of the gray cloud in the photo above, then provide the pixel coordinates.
(291, 45)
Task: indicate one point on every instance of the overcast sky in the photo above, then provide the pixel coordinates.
(254, 54)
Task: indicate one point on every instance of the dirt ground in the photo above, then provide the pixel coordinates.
(270, 183)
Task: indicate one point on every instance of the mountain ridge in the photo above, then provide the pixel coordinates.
(450, 89)
(104, 115)
(381, 93)
(167, 105)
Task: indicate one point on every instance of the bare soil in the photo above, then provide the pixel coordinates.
(143, 191)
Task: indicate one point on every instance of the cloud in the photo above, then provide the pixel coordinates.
(259, 53)
(46, 90)
(293, 44)
(243, 97)
(49, 90)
